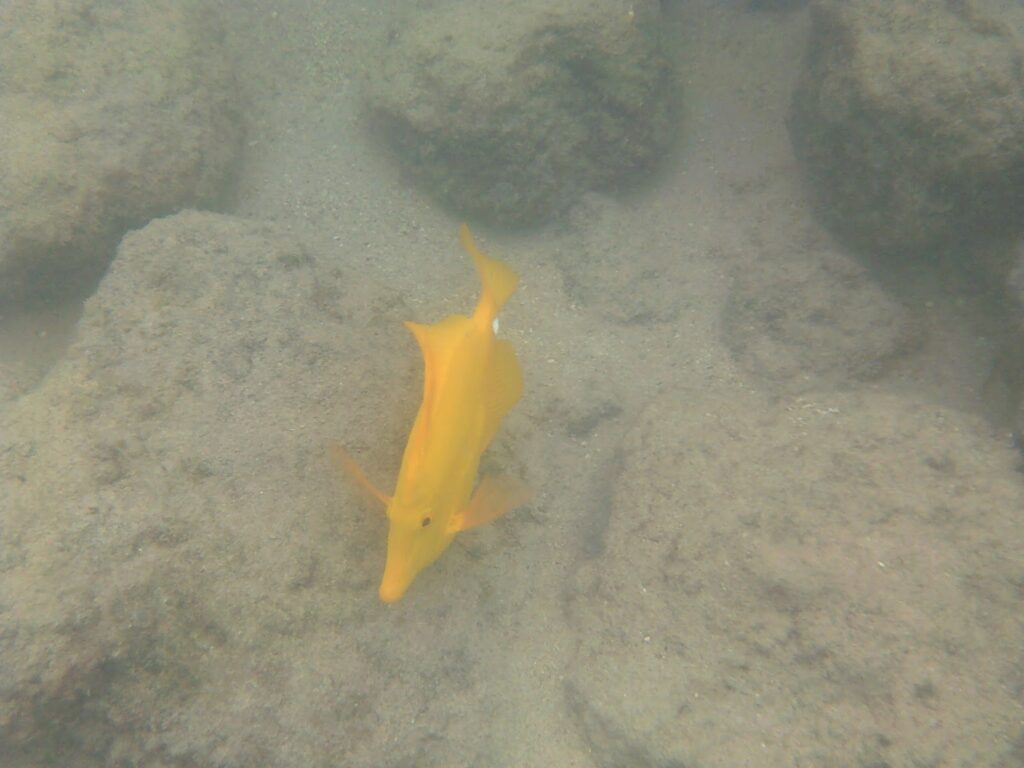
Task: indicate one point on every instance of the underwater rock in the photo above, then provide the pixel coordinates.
(1015, 285)
(810, 320)
(1003, 392)
(643, 289)
(509, 111)
(112, 113)
(181, 578)
(775, 5)
(827, 580)
(908, 121)
(184, 578)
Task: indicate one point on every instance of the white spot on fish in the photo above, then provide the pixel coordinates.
(494, 325)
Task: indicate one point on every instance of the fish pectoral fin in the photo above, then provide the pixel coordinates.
(495, 496)
(348, 465)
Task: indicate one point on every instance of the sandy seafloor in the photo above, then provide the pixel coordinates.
(526, 596)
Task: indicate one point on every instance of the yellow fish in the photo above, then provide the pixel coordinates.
(470, 381)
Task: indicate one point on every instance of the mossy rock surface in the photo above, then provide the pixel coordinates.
(112, 113)
(821, 580)
(909, 121)
(511, 111)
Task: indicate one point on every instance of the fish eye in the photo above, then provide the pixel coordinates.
(425, 521)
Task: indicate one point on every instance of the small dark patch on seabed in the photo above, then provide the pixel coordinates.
(601, 505)
(1016, 754)
(583, 425)
(606, 741)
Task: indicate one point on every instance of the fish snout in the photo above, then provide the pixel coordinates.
(399, 568)
(393, 586)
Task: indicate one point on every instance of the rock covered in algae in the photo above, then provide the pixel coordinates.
(111, 113)
(909, 120)
(511, 111)
(181, 580)
(832, 580)
(800, 321)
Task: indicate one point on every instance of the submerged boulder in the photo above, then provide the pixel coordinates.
(511, 111)
(909, 121)
(112, 113)
(183, 579)
(826, 580)
(814, 319)
(1003, 392)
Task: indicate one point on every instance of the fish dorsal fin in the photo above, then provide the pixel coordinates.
(497, 279)
(503, 386)
(436, 342)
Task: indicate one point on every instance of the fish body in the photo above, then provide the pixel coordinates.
(471, 380)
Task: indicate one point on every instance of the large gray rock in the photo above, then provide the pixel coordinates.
(1003, 392)
(811, 320)
(909, 120)
(183, 578)
(111, 113)
(1015, 353)
(510, 110)
(831, 581)
(626, 279)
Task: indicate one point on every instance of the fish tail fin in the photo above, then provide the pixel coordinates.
(497, 278)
